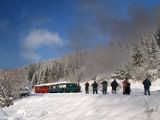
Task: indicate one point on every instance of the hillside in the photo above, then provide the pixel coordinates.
(78, 106)
(133, 61)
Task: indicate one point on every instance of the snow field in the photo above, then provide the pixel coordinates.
(79, 106)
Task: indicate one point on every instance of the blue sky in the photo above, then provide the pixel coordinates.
(34, 30)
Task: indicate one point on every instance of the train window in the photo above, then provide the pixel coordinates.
(71, 84)
(53, 86)
(57, 86)
(62, 85)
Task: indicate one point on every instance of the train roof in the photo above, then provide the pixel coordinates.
(48, 84)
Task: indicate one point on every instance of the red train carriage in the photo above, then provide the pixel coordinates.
(43, 88)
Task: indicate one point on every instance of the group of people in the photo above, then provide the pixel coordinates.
(114, 85)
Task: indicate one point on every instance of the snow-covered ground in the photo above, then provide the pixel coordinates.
(79, 106)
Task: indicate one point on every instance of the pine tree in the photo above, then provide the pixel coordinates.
(145, 55)
(158, 36)
(45, 76)
(137, 56)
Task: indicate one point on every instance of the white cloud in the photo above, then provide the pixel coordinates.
(38, 38)
(30, 55)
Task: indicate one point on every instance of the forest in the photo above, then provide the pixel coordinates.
(116, 60)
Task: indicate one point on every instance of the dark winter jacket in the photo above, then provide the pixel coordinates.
(86, 85)
(126, 87)
(126, 84)
(95, 85)
(114, 84)
(147, 83)
(104, 84)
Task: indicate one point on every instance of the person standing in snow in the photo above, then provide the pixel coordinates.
(147, 84)
(95, 85)
(87, 87)
(104, 86)
(114, 85)
(126, 87)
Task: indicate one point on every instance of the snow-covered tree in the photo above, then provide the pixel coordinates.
(11, 82)
(145, 55)
(137, 56)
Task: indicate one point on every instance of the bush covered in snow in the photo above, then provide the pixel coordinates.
(10, 83)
